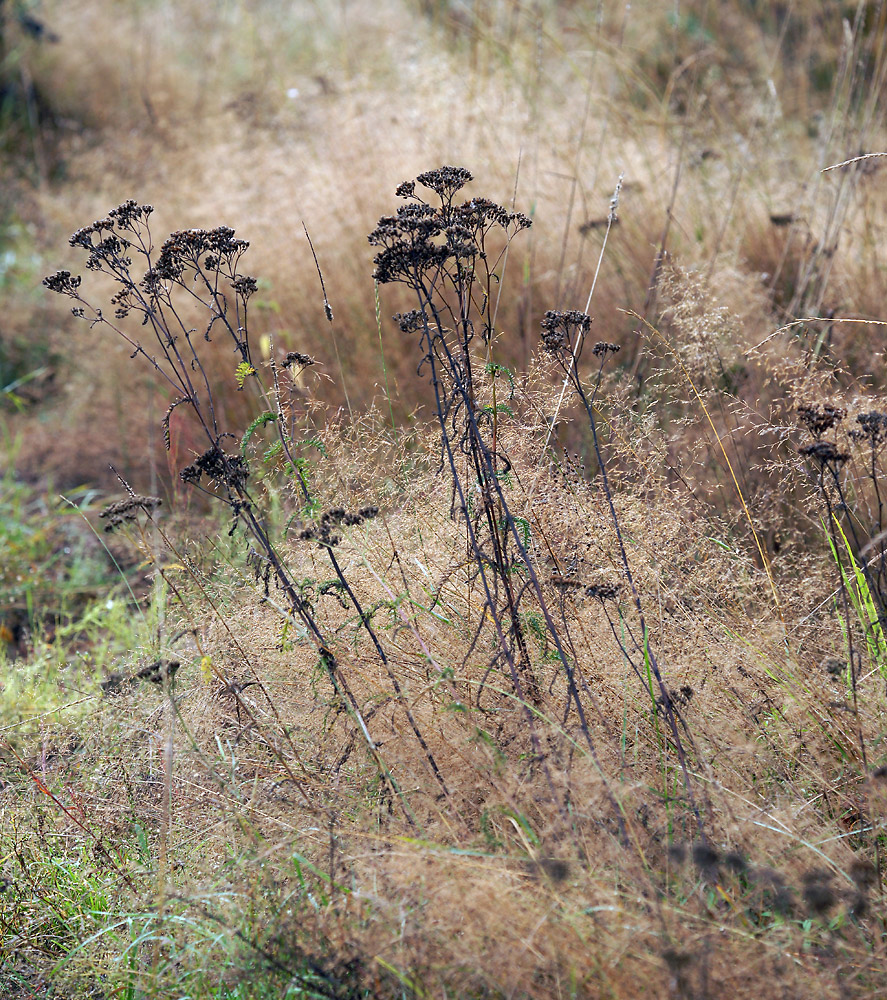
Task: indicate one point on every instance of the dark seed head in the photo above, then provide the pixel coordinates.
(819, 896)
(820, 417)
(705, 857)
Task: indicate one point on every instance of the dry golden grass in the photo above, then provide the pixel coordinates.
(234, 834)
(207, 132)
(490, 889)
(274, 119)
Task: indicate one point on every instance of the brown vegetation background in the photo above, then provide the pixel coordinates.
(743, 280)
(719, 116)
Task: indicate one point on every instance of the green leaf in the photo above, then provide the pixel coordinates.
(314, 442)
(862, 602)
(493, 369)
(263, 418)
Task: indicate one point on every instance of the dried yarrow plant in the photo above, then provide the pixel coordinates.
(195, 276)
(448, 253)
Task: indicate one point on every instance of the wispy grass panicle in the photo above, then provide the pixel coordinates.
(563, 336)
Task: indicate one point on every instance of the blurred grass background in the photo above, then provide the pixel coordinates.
(265, 116)
(762, 276)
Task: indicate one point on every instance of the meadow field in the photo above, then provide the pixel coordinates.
(443, 544)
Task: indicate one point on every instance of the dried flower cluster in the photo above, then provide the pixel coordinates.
(62, 282)
(200, 250)
(561, 330)
(818, 893)
(820, 417)
(603, 591)
(129, 214)
(112, 244)
(294, 359)
(245, 285)
(155, 672)
(420, 239)
(412, 321)
(825, 454)
(872, 428)
(322, 532)
(158, 671)
(219, 467)
(602, 348)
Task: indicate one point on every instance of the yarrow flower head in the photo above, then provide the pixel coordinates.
(872, 428)
(824, 453)
(199, 249)
(322, 531)
(129, 214)
(244, 285)
(560, 329)
(407, 242)
(219, 467)
(410, 322)
(420, 239)
(445, 181)
(294, 359)
(604, 591)
(601, 349)
(62, 282)
(820, 417)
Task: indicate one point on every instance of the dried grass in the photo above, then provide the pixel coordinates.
(238, 819)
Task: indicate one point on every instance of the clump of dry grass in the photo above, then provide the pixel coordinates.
(538, 699)
(279, 824)
(446, 713)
